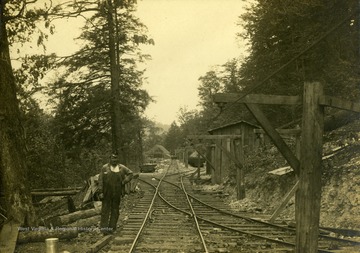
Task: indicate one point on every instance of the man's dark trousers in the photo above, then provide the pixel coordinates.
(112, 189)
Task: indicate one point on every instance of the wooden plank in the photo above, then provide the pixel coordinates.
(274, 136)
(100, 244)
(8, 236)
(212, 137)
(339, 103)
(257, 99)
(283, 203)
(281, 171)
(308, 196)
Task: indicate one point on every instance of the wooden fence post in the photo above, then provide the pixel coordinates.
(309, 192)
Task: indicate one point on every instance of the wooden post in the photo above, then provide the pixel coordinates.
(186, 157)
(207, 158)
(240, 178)
(199, 165)
(217, 162)
(309, 193)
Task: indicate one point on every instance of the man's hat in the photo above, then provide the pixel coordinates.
(114, 156)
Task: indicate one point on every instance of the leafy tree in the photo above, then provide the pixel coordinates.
(17, 23)
(279, 33)
(173, 138)
(153, 135)
(223, 78)
(99, 95)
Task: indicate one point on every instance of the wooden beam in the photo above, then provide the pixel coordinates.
(274, 136)
(308, 196)
(339, 103)
(212, 137)
(257, 99)
(283, 203)
(294, 131)
(100, 244)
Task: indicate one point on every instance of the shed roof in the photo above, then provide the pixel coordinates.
(158, 149)
(233, 124)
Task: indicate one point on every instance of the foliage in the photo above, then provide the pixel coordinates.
(173, 138)
(283, 32)
(290, 43)
(153, 135)
(84, 91)
(69, 145)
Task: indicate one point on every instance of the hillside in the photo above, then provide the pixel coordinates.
(340, 205)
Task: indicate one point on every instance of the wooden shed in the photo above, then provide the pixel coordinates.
(243, 128)
(221, 161)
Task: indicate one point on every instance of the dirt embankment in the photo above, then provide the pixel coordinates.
(340, 205)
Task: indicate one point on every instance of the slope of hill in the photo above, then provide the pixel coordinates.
(340, 205)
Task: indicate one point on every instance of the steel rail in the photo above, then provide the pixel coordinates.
(194, 216)
(226, 227)
(255, 221)
(150, 209)
(148, 213)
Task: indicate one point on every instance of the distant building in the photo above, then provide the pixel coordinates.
(157, 152)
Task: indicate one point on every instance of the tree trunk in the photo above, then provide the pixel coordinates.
(13, 169)
(116, 123)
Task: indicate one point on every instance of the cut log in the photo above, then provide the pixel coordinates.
(39, 234)
(55, 193)
(86, 225)
(72, 217)
(57, 189)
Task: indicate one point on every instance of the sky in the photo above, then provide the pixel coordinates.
(191, 37)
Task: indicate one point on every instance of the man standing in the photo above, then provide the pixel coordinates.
(112, 178)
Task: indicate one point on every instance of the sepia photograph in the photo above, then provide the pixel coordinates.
(179, 126)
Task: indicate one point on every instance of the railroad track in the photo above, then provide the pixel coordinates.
(172, 218)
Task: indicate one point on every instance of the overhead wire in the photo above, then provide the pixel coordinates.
(253, 88)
